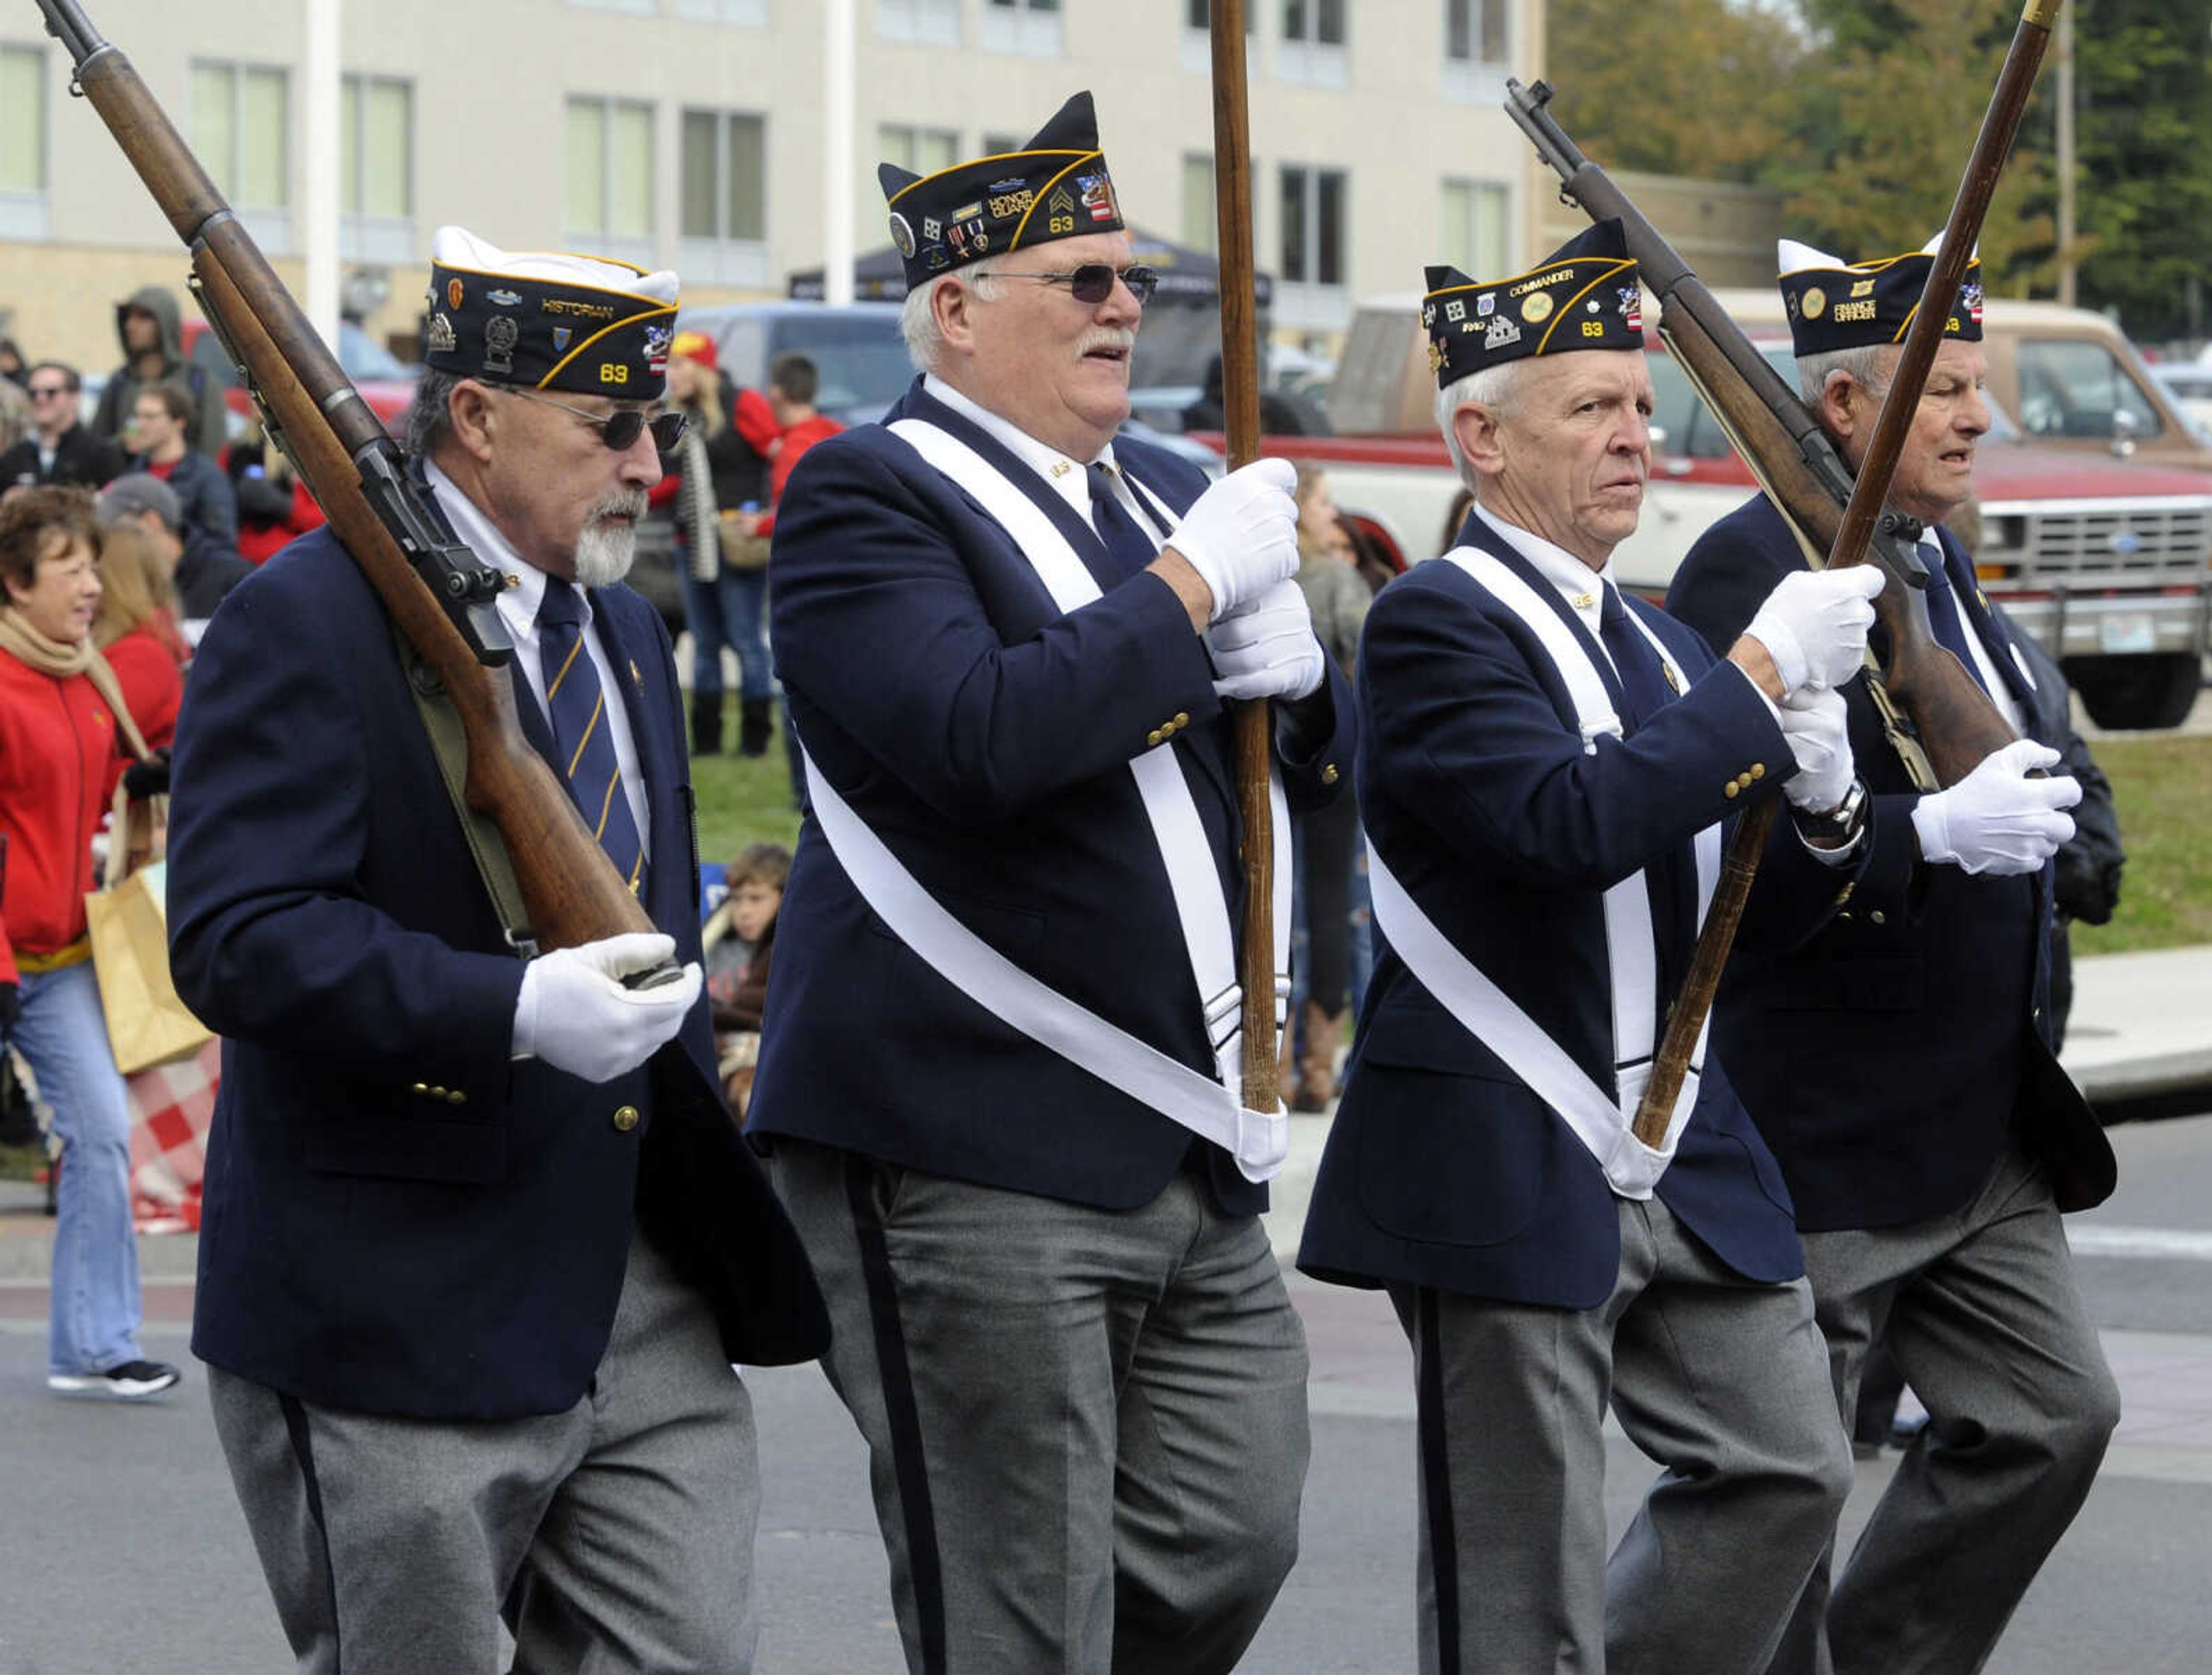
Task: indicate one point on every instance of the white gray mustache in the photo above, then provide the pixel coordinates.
(1105, 336)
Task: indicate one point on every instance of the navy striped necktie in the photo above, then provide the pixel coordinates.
(578, 704)
(1124, 536)
(1943, 615)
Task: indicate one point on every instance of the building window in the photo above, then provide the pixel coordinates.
(1022, 26)
(240, 128)
(924, 150)
(1477, 51)
(1198, 36)
(746, 13)
(1201, 225)
(23, 179)
(723, 222)
(608, 211)
(1311, 294)
(927, 22)
(1312, 46)
(376, 169)
(1473, 232)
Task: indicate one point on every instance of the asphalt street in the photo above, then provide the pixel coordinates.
(121, 1546)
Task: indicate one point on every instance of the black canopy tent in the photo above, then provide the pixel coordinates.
(1183, 323)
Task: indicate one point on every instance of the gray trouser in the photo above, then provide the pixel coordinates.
(1087, 1429)
(1981, 1311)
(614, 1536)
(1721, 1380)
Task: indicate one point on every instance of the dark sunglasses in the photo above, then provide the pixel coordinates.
(39, 392)
(620, 430)
(1093, 282)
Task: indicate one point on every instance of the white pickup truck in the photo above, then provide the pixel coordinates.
(2104, 559)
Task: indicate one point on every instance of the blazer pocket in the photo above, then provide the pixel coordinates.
(461, 1154)
(1846, 982)
(1444, 1160)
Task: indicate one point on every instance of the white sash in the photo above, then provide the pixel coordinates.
(1208, 1107)
(1599, 1121)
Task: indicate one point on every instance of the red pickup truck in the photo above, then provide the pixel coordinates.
(2106, 560)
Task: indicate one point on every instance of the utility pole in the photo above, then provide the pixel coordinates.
(319, 102)
(837, 156)
(2066, 228)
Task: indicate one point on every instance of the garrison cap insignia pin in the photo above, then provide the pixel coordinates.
(500, 335)
(454, 294)
(1813, 301)
(902, 234)
(440, 337)
(561, 335)
(1538, 308)
(504, 299)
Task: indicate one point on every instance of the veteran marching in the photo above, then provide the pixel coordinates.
(483, 1245)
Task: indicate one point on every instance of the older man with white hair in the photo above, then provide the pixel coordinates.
(999, 1063)
(1900, 1061)
(1546, 765)
(481, 1242)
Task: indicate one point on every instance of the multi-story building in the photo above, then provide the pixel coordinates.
(691, 134)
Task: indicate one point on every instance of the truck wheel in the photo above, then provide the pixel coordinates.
(2153, 691)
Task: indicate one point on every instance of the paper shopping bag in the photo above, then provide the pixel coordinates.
(146, 1021)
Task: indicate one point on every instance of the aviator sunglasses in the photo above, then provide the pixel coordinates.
(1093, 282)
(619, 430)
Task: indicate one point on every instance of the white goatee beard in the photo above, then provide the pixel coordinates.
(604, 549)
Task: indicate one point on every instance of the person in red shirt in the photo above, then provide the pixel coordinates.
(136, 631)
(791, 382)
(61, 752)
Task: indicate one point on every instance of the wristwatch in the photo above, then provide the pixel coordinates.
(1842, 820)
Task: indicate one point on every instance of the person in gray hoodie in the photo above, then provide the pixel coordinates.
(149, 328)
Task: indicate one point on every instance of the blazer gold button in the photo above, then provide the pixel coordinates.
(1154, 736)
(1183, 718)
(1731, 789)
(1877, 916)
(1329, 774)
(420, 1088)
(625, 1119)
(454, 1096)
(1758, 770)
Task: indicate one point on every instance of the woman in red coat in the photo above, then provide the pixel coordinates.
(135, 629)
(60, 757)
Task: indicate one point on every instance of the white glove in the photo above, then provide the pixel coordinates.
(1814, 723)
(1997, 820)
(1241, 534)
(1267, 648)
(574, 1013)
(1815, 624)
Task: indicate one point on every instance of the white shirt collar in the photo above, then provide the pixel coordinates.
(1064, 471)
(1579, 584)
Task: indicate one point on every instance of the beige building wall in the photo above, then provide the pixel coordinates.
(491, 80)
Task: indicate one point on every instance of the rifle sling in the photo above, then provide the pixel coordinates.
(449, 743)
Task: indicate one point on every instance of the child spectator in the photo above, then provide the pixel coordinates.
(739, 938)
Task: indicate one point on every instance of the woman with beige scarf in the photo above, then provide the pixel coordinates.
(65, 740)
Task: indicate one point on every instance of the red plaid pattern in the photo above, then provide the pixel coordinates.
(172, 1106)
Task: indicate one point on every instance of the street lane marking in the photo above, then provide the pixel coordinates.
(2164, 1244)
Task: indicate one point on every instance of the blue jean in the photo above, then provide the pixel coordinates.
(94, 1321)
(727, 612)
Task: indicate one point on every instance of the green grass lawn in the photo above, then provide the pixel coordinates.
(2163, 788)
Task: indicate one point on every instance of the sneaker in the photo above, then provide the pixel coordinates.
(133, 1381)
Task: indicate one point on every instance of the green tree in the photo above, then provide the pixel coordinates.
(1699, 88)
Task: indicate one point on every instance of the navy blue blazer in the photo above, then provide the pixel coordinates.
(1891, 1059)
(1442, 1169)
(398, 1218)
(985, 737)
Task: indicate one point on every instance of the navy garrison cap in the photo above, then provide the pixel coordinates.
(549, 321)
(1833, 304)
(1054, 187)
(1585, 295)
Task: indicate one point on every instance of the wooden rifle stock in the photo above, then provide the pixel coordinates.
(569, 888)
(1240, 398)
(1957, 722)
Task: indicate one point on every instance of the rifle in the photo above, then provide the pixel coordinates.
(438, 594)
(1957, 724)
